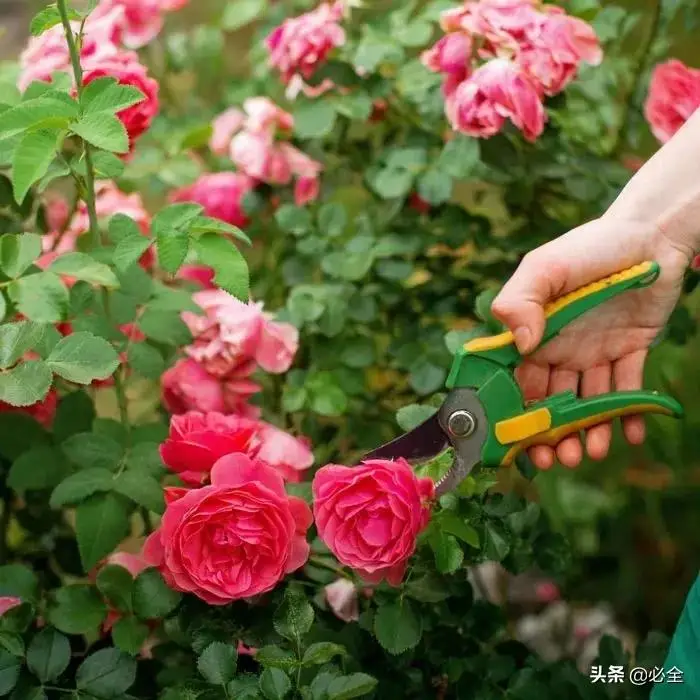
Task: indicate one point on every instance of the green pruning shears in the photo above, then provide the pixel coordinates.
(484, 417)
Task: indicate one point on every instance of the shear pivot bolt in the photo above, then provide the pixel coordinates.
(461, 424)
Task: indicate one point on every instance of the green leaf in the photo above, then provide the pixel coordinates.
(353, 686)
(122, 227)
(292, 219)
(411, 158)
(40, 297)
(26, 383)
(229, 265)
(83, 357)
(414, 34)
(207, 224)
(274, 684)
(115, 583)
(408, 417)
(390, 183)
(146, 360)
(74, 415)
(49, 17)
(496, 544)
(448, 554)
(397, 627)
(129, 635)
(40, 468)
(42, 112)
(10, 667)
(152, 598)
(329, 401)
(426, 378)
(48, 655)
(332, 219)
(31, 160)
(130, 250)
(358, 353)
(93, 451)
(101, 523)
(165, 327)
(217, 663)
(102, 130)
(430, 588)
(321, 653)
(145, 457)
(18, 251)
(85, 267)
(460, 156)
(314, 119)
(108, 673)
(12, 643)
(171, 228)
(19, 581)
(16, 338)
(107, 165)
(107, 95)
(238, 13)
(78, 610)
(435, 186)
(77, 487)
(142, 489)
(452, 523)
(276, 657)
(294, 617)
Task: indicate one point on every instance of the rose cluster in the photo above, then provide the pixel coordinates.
(501, 58)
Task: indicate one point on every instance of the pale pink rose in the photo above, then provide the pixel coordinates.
(143, 20)
(199, 274)
(300, 164)
(569, 39)
(341, 596)
(42, 411)
(133, 563)
(232, 337)
(246, 650)
(263, 115)
(540, 65)
(504, 24)
(233, 539)
(301, 44)
(497, 90)
(223, 128)
(197, 440)
(306, 189)
(221, 195)
(125, 68)
(451, 54)
(289, 455)
(297, 85)
(186, 386)
(674, 94)
(258, 155)
(369, 516)
(7, 602)
(57, 212)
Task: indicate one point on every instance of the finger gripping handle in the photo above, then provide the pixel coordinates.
(562, 311)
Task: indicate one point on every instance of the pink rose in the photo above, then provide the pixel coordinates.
(497, 90)
(263, 115)
(221, 195)
(301, 44)
(187, 386)
(234, 539)
(57, 212)
(197, 440)
(451, 55)
(258, 155)
(126, 69)
(505, 24)
(306, 189)
(199, 274)
(7, 602)
(42, 412)
(289, 455)
(232, 337)
(143, 20)
(370, 515)
(223, 128)
(674, 94)
(341, 596)
(547, 592)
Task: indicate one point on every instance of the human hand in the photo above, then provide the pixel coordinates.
(605, 349)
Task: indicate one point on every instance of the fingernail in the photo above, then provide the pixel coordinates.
(522, 337)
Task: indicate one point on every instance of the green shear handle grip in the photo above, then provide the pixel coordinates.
(560, 312)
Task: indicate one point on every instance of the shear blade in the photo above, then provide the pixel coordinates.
(422, 443)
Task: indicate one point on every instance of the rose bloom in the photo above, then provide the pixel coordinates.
(125, 68)
(7, 602)
(187, 386)
(201, 275)
(369, 516)
(341, 596)
(42, 412)
(197, 440)
(674, 94)
(497, 90)
(233, 539)
(451, 55)
(231, 338)
(143, 19)
(220, 194)
(223, 128)
(301, 44)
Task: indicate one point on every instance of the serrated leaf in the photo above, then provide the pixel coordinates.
(276, 657)
(103, 130)
(18, 251)
(321, 653)
(130, 250)
(10, 667)
(12, 643)
(107, 95)
(241, 12)
(408, 417)
(314, 119)
(49, 17)
(397, 627)
(77, 487)
(26, 383)
(107, 164)
(453, 524)
(101, 523)
(274, 684)
(108, 673)
(142, 489)
(115, 583)
(496, 544)
(353, 686)
(448, 554)
(152, 597)
(94, 450)
(78, 609)
(31, 160)
(129, 635)
(294, 617)
(48, 654)
(40, 297)
(42, 112)
(83, 357)
(146, 360)
(16, 338)
(171, 228)
(207, 224)
(229, 265)
(40, 468)
(84, 267)
(217, 663)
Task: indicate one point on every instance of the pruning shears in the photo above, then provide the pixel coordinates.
(485, 419)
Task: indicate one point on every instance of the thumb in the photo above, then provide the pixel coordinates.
(520, 304)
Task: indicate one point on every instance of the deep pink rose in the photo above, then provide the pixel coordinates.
(197, 440)
(7, 602)
(370, 515)
(186, 386)
(234, 539)
(258, 155)
(569, 39)
(341, 596)
(199, 274)
(306, 189)
(301, 44)
(674, 94)
(125, 68)
(497, 90)
(450, 55)
(221, 195)
(223, 128)
(42, 412)
(143, 20)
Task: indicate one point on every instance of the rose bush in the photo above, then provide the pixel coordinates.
(219, 290)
